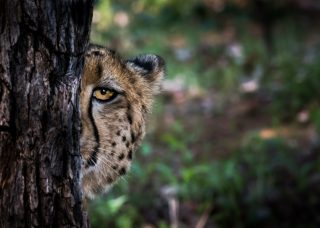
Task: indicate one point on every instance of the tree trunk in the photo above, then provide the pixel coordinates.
(41, 61)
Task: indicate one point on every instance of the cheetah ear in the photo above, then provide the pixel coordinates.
(151, 67)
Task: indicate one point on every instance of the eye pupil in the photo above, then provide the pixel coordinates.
(104, 94)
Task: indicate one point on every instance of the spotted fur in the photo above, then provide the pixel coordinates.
(112, 131)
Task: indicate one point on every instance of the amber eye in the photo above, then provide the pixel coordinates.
(104, 94)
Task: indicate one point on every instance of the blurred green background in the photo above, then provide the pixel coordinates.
(234, 139)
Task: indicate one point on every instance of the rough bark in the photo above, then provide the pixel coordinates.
(41, 60)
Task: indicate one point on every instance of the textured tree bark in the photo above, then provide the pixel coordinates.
(41, 60)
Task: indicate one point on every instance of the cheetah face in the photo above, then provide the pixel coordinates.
(115, 99)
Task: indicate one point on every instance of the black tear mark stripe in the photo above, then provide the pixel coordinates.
(93, 156)
(129, 114)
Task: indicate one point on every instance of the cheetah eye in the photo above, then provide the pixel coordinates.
(104, 94)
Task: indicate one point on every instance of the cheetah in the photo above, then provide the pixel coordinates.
(116, 97)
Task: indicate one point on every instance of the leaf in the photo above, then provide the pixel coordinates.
(116, 204)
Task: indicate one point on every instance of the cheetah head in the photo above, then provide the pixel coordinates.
(116, 96)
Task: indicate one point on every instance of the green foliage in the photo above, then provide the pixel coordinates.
(259, 182)
(295, 74)
(247, 189)
(315, 117)
(250, 188)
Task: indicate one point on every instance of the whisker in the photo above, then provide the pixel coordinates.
(109, 165)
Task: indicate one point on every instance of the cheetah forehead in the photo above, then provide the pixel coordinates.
(102, 64)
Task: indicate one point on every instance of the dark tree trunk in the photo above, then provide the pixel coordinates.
(41, 60)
